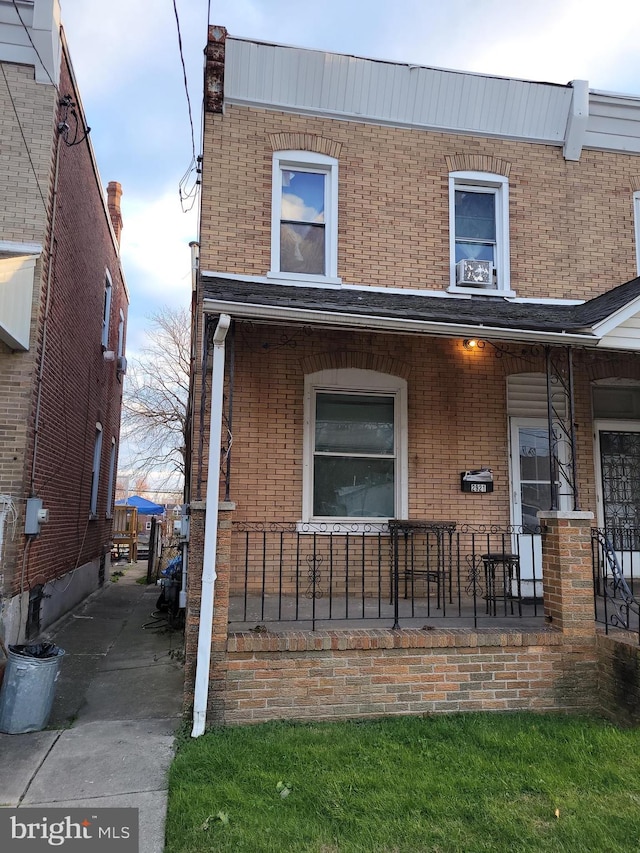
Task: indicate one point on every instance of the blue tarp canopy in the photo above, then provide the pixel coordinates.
(143, 506)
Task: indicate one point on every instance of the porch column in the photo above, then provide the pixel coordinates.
(567, 573)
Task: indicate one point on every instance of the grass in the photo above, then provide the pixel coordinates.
(464, 783)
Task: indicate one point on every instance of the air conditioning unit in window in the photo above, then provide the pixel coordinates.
(121, 366)
(473, 273)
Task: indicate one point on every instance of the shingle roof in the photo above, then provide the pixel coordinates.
(477, 311)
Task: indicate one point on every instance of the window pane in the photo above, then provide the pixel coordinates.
(477, 251)
(534, 455)
(475, 215)
(302, 196)
(302, 248)
(353, 487)
(354, 423)
(534, 498)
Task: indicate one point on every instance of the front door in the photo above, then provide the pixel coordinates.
(531, 491)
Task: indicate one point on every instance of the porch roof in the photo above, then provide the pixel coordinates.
(490, 316)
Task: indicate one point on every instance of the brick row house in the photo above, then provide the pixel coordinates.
(63, 313)
(416, 401)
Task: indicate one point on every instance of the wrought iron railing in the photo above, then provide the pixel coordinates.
(406, 574)
(616, 578)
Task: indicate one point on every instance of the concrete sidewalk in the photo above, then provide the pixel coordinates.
(117, 705)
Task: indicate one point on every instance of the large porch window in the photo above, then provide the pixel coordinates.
(355, 446)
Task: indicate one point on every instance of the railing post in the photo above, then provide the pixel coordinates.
(396, 556)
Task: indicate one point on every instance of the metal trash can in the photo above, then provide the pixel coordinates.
(28, 687)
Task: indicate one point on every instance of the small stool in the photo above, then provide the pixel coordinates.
(500, 569)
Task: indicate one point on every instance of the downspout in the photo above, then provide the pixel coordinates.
(203, 658)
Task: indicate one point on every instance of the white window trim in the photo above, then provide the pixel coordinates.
(106, 315)
(306, 160)
(369, 382)
(112, 473)
(500, 184)
(636, 223)
(95, 471)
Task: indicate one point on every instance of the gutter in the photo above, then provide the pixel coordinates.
(336, 319)
(203, 658)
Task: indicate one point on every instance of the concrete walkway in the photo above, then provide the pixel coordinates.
(117, 706)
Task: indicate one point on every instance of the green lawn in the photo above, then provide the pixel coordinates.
(465, 783)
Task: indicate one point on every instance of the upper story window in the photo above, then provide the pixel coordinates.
(355, 446)
(479, 231)
(304, 217)
(636, 219)
(106, 309)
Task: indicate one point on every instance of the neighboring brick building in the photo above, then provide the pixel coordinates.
(415, 274)
(63, 310)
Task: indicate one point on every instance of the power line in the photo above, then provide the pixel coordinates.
(184, 74)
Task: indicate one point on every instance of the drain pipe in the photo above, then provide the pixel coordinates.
(203, 659)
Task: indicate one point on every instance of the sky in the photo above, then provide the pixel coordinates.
(127, 63)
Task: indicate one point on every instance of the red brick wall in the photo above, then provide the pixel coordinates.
(79, 388)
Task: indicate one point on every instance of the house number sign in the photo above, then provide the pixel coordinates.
(478, 481)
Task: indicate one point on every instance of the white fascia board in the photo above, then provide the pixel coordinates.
(13, 247)
(336, 319)
(606, 326)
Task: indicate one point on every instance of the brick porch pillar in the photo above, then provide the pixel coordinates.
(567, 574)
(217, 673)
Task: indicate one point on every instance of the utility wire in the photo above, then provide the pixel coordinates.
(184, 73)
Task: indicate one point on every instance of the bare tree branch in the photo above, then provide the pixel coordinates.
(154, 411)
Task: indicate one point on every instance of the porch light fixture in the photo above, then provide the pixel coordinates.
(470, 343)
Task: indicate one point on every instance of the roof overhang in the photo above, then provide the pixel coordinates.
(378, 323)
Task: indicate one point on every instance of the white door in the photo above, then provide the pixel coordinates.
(531, 491)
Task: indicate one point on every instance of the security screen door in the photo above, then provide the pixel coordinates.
(619, 460)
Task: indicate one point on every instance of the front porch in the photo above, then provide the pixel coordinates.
(285, 660)
(418, 575)
(330, 613)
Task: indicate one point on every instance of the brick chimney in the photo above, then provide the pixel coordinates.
(214, 69)
(114, 192)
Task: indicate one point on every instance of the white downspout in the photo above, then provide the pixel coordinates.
(203, 659)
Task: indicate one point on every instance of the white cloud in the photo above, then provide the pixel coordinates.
(155, 248)
(294, 208)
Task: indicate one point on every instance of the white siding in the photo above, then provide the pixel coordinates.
(350, 87)
(527, 396)
(625, 336)
(354, 88)
(614, 122)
